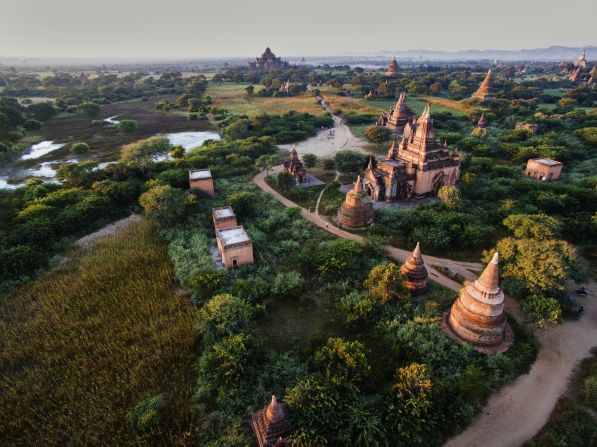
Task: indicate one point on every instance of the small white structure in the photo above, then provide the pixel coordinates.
(235, 246)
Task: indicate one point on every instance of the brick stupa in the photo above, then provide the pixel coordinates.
(485, 90)
(271, 425)
(477, 316)
(415, 273)
(355, 212)
(482, 123)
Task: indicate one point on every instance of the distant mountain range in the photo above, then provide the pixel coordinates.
(554, 53)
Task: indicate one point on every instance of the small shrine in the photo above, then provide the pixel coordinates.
(392, 68)
(415, 273)
(203, 180)
(235, 246)
(295, 167)
(223, 217)
(482, 123)
(271, 425)
(543, 169)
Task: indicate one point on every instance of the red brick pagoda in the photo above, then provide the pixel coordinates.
(477, 316)
(271, 425)
(415, 273)
(355, 212)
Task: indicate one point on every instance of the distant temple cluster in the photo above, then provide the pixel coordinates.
(417, 167)
(485, 91)
(581, 71)
(268, 61)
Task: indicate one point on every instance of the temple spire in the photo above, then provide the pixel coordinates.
(490, 276)
(358, 185)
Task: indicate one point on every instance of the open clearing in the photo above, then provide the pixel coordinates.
(233, 97)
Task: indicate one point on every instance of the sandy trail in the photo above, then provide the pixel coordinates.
(518, 411)
(329, 141)
(108, 230)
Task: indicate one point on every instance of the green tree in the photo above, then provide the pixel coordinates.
(386, 282)
(539, 226)
(166, 205)
(349, 162)
(542, 311)
(144, 152)
(205, 281)
(79, 148)
(223, 316)
(177, 152)
(342, 360)
(250, 89)
(337, 258)
(377, 134)
(32, 125)
(414, 387)
(310, 160)
(90, 109)
(42, 111)
(450, 196)
(148, 414)
(242, 202)
(127, 126)
(285, 181)
(237, 130)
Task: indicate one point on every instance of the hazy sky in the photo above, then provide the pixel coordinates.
(212, 28)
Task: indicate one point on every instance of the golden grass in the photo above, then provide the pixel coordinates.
(86, 342)
(233, 97)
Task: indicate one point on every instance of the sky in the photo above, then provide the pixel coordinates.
(243, 28)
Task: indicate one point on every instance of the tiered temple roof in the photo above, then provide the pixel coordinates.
(355, 212)
(271, 425)
(477, 316)
(392, 68)
(415, 273)
(485, 90)
(421, 147)
(397, 118)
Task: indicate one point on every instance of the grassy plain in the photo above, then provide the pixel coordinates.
(233, 97)
(88, 341)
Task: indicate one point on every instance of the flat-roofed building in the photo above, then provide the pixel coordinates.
(223, 217)
(544, 169)
(235, 246)
(202, 179)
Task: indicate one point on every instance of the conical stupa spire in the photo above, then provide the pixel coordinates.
(358, 185)
(490, 276)
(274, 410)
(370, 165)
(414, 271)
(417, 251)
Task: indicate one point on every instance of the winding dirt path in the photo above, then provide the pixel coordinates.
(519, 410)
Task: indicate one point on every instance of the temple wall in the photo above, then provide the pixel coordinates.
(424, 182)
(224, 223)
(205, 185)
(242, 255)
(538, 171)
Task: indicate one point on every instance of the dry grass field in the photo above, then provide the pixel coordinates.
(233, 97)
(85, 343)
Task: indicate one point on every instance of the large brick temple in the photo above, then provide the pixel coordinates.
(271, 425)
(477, 316)
(417, 167)
(268, 61)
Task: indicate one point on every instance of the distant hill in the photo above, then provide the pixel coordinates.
(554, 53)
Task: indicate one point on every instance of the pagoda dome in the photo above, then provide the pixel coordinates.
(355, 212)
(415, 273)
(477, 316)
